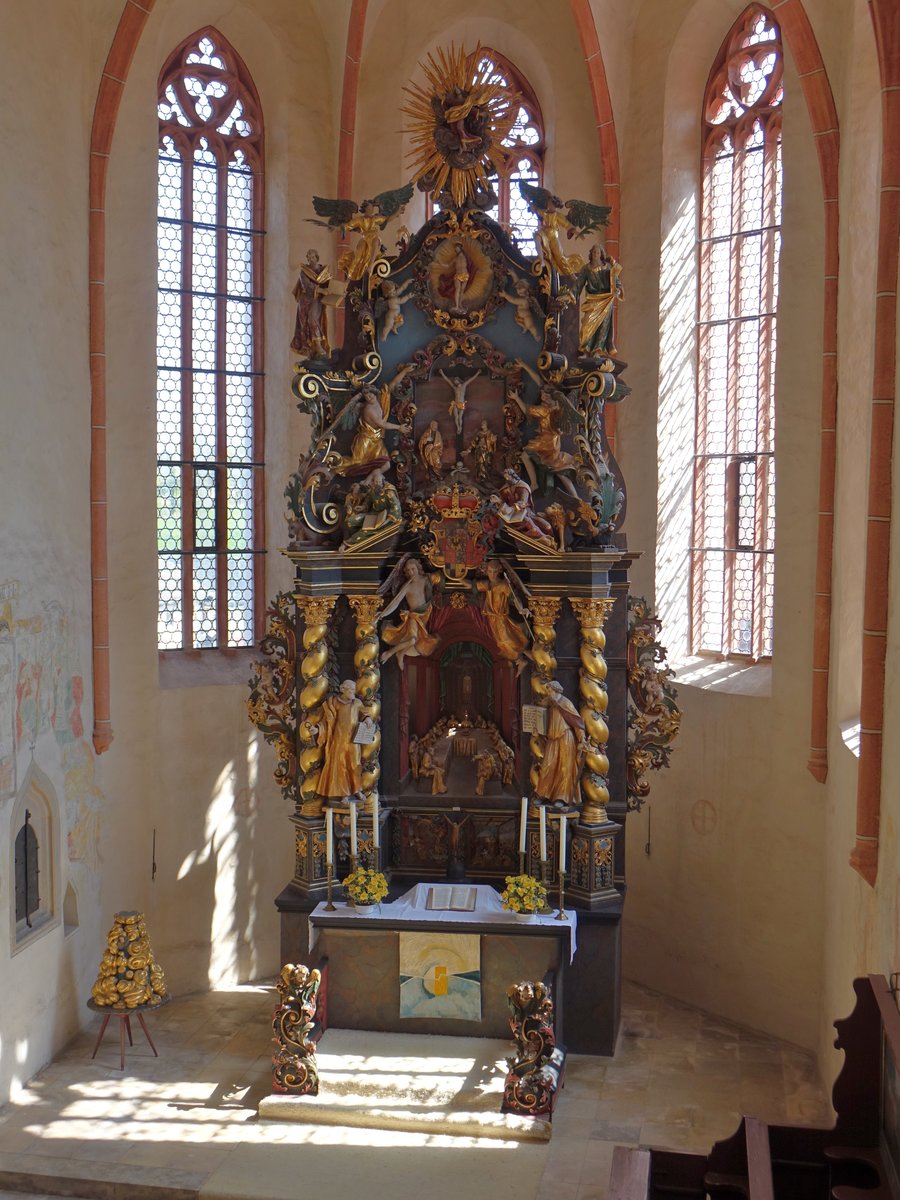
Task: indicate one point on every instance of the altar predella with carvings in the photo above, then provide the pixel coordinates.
(453, 656)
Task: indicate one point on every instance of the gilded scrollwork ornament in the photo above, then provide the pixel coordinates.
(294, 1060)
(654, 717)
(535, 1068)
(272, 703)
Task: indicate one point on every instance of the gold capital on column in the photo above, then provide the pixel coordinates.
(591, 615)
(544, 615)
(316, 612)
(368, 684)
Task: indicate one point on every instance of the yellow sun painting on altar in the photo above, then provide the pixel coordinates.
(440, 975)
(457, 123)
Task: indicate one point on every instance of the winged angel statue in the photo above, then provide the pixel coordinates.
(367, 219)
(574, 218)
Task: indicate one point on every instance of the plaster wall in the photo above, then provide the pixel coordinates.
(44, 534)
(725, 912)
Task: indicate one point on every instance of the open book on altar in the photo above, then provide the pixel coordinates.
(451, 899)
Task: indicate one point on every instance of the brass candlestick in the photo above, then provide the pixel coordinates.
(521, 862)
(329, 870)
(561, 915)
(545, 870)
(354, 862)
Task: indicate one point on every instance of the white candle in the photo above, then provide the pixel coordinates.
(376, 832)
(562, 844)
(523, 824)
(353, 848)
(329, 836)
(543, 831)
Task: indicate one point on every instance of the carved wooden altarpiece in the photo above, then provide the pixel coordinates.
(456, 529)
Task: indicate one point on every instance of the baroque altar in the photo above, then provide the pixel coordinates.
(454, 652)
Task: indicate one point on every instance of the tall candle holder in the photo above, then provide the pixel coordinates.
(354, 862)
(329, 906)
(521, 862)
(561, 915)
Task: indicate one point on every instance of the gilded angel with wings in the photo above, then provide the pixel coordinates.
(368, 411)
(367, 219)
(574, 218)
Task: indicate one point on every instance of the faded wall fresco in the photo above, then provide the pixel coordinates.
(42, 692)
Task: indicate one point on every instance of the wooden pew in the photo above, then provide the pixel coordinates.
(858, 1159)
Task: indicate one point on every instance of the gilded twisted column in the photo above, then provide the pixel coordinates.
(314, 688)
(591, 615)
(368, 685)
(544, 615)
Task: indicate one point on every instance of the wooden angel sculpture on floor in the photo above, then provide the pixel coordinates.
(600, 287)
(310, 329)
(368, 410)
(574, 218)
(367, 219)
(559, 772)
(410, 636)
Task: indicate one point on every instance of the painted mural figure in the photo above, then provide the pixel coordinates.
(600, 288)
(341, 774)
(560, 768)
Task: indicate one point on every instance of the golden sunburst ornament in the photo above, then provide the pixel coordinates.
(458, 122)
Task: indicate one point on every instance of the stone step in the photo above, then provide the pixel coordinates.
(16, 1185)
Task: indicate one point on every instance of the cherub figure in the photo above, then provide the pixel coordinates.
(574, 218)
(367, 219)
(410, 636)
(523, 302)
(457, 406)
(394, 296)
(431, 448)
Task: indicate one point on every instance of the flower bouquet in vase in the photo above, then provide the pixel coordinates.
(366, 889)
(524, 896)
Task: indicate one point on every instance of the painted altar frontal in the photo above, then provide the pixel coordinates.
(446, 685)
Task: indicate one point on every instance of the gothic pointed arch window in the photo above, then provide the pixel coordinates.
(732, 554)
(209, 381)
(523, 151)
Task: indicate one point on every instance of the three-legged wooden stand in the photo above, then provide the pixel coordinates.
(124, 1027)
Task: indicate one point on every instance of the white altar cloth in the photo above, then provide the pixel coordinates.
(410, 906)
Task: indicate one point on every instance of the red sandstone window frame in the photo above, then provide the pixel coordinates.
(234, 507)
(732, 544)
